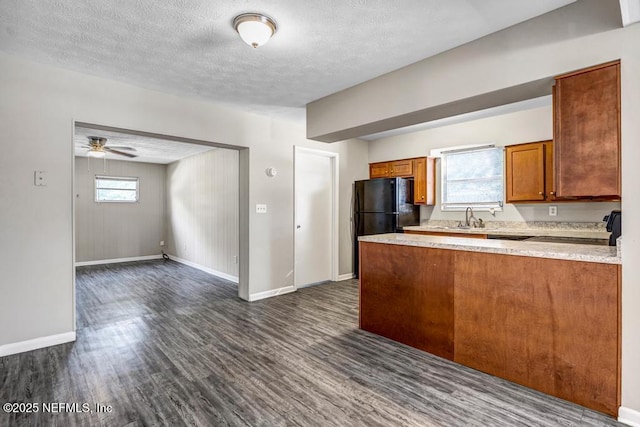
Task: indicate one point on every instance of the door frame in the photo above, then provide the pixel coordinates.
(335, 240)
(243, 201)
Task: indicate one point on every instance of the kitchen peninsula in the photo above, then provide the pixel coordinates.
(544, 315)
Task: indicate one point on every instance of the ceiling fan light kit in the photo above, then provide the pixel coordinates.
(98, 154)
(98, 148)
(254, 29)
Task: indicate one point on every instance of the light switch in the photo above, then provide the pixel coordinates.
(261, 209)
(40, 178)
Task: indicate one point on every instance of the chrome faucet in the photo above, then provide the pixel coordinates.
(468, 217)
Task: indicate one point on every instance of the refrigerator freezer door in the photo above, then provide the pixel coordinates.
(375, 195)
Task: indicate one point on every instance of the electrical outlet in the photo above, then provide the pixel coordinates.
(161, 242)
(235, 259)
(553, 210)
(261, 209)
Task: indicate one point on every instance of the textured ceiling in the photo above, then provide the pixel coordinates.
(148, 149)
(189, 47)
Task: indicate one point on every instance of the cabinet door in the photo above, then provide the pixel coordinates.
(587, 132)
(379, 170)
(424, 181)
(406, 294)
(401, 168)
(555, 331)
(525, 172)
(549, 181)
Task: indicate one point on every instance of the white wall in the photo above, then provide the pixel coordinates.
(203, 210)
(506, 129)
(38, 107)
(119, 230)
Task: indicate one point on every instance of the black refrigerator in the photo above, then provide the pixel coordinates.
(382, 205)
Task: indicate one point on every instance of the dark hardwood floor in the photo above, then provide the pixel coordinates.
(165, 344)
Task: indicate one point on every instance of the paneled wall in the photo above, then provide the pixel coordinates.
(202, 210)
(119, 230)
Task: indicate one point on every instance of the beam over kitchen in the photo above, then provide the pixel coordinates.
(508, 66)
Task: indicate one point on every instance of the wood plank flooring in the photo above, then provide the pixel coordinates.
(165, 344)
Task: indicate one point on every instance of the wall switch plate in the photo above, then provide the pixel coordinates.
(261, 209)
(553, 210)
(40, 178)
(161, 242)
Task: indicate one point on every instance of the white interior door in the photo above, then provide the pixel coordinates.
(314, 207)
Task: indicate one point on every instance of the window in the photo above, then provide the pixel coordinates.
(116, 189)
(472, 177)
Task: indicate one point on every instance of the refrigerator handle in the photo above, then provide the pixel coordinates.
(353, 208)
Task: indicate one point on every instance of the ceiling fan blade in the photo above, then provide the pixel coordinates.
(122, 153)
(121, 147)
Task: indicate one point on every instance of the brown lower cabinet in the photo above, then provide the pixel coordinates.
(411, 305)
(551, 325)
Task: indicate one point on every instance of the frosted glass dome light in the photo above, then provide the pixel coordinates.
(255, 29)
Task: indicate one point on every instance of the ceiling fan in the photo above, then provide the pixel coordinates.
(98, 148)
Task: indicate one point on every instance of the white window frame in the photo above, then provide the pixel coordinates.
(456, 207)
(116, 178)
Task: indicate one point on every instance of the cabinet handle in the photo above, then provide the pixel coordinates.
(540, 193)
(422, 197)
(552, 192)
(391, 170)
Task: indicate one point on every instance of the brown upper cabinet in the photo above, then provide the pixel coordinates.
(393, 169)
(424, 183)
(587, 133)
(379, 170)
(529, 172)
(421, 169)
(401, 168)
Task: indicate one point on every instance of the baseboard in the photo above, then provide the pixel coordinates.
(217, 273)
(629, 416)
(310, 285)
(36, 343)
(347, 276)
(117, 260)
(271, 293)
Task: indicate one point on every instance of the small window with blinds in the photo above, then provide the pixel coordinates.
(473, 178)
(116, 189)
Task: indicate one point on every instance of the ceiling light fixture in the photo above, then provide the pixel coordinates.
(254, 28)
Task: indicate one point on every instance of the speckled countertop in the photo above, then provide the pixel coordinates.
(568, 251)
(585, 230)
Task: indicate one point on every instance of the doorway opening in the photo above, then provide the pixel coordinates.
(182, 198)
